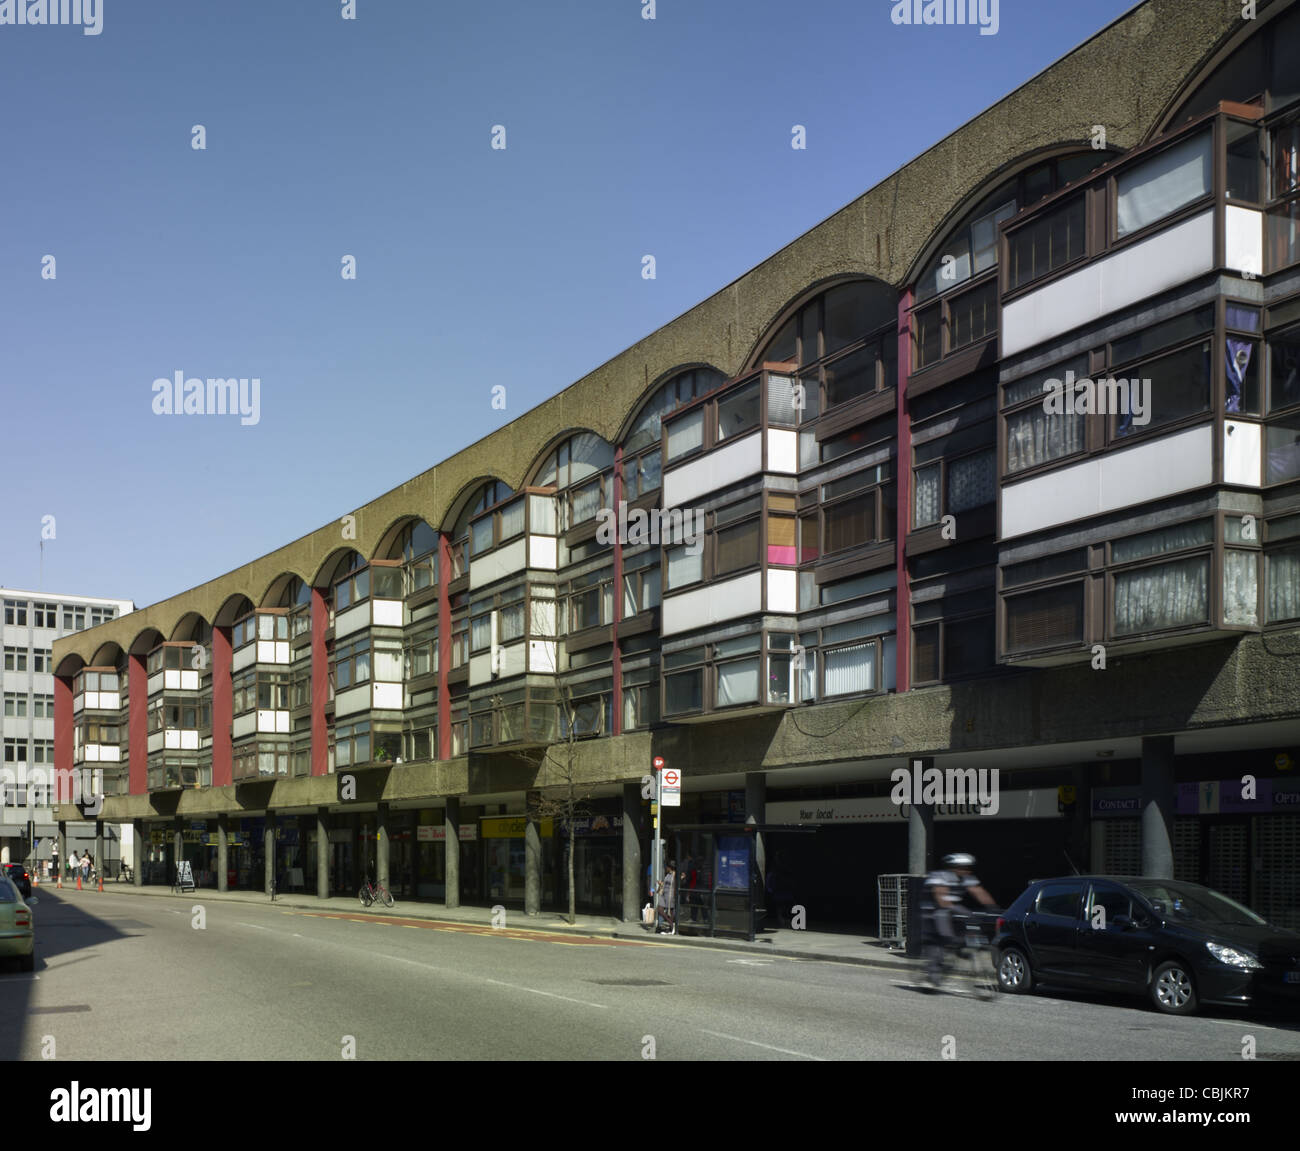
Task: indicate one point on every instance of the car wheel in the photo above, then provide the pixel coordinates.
(1172, 990)
(1014, 974)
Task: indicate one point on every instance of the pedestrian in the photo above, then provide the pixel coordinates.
(85, 867)
(54, 860)
(667, 892)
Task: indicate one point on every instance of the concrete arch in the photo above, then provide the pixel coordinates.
(530, 474)
(447, 522)
(235, 607)
(191, 626)
(69, 665)
(144, 641)
(1217, 55)
(333, 563)
(660, 381)
(108, 654)
(806, 296)
(278, 589)
(390, 535)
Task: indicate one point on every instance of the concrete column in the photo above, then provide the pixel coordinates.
(99, 846)
(268, 839)
(920, 838)
(1159, 802)
(451, 847)
(632, 862)
(178, 846)
(322, 854)
(381, 844)
(137, 852)
(223, 853)
(532, 866)
(61, 838)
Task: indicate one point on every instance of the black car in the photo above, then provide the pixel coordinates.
(21, 880)
(1178, 943)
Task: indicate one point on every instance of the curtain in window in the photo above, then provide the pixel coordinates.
(1284, 586)
(480, 539)
(1162, 185)
(1238, 364)
(1240, 588)
(510, 623)
(780, 401)
(926, 508)
(1169, 595)
(512, 519)
(586, 503)
(684, 568)
(481, 632)
(542, 511)
(850, 669)
(388, 664)
(971, 482)
(542, 622)
(686, 434)
(1035, 436)
(738, 682)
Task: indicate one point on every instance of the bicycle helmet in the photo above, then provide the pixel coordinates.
(960, 859)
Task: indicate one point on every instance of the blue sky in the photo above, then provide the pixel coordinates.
(475, 267)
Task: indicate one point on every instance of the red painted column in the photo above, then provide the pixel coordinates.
(222, 708)
(137, 724)
(63, 739)
(320, 683)
(444, 647)
(903, 617)
(616, 704)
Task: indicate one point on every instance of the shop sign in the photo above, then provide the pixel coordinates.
(594, 825)
(1207, 797)
(437, 832)
(512, 827)
(1033, 803)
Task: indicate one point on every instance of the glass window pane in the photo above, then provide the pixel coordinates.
(851, 376)
(850, 669)
(925, 509)
(1167, 595)
(1241, 588)
(684, 568)
(1160, 186)
(738, 413)
(685, 434)
(972, 482)
(738, 682)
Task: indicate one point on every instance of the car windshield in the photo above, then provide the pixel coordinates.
(1185, 901)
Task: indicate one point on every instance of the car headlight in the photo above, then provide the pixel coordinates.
(1234, 957)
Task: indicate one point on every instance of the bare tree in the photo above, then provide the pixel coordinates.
(565, 801)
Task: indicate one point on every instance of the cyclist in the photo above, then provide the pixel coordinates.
(947, 889)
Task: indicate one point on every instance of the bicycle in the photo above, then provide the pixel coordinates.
(971, 959)
(374, 893)
(124, 873)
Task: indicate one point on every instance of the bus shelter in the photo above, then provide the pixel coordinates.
(720, 888)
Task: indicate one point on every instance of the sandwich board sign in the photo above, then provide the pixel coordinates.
(670, 787)
(184, 877)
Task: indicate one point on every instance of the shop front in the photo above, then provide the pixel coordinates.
(597, 864)
(503, 857)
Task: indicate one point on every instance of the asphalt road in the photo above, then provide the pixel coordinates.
(133, 977)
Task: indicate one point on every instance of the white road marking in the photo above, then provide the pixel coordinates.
(751, 962)
(549, 994)
(768, 1046)
(254, 926)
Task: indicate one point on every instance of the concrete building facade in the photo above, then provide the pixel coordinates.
(996, 469)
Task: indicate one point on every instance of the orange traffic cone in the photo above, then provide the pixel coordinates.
(58, 880)
(101, 883)
(78, 880)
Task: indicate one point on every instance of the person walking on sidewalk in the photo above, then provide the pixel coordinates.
(667, 894)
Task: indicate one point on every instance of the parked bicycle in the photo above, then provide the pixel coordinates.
(124, 873)
(374, 893)
(971, 959)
